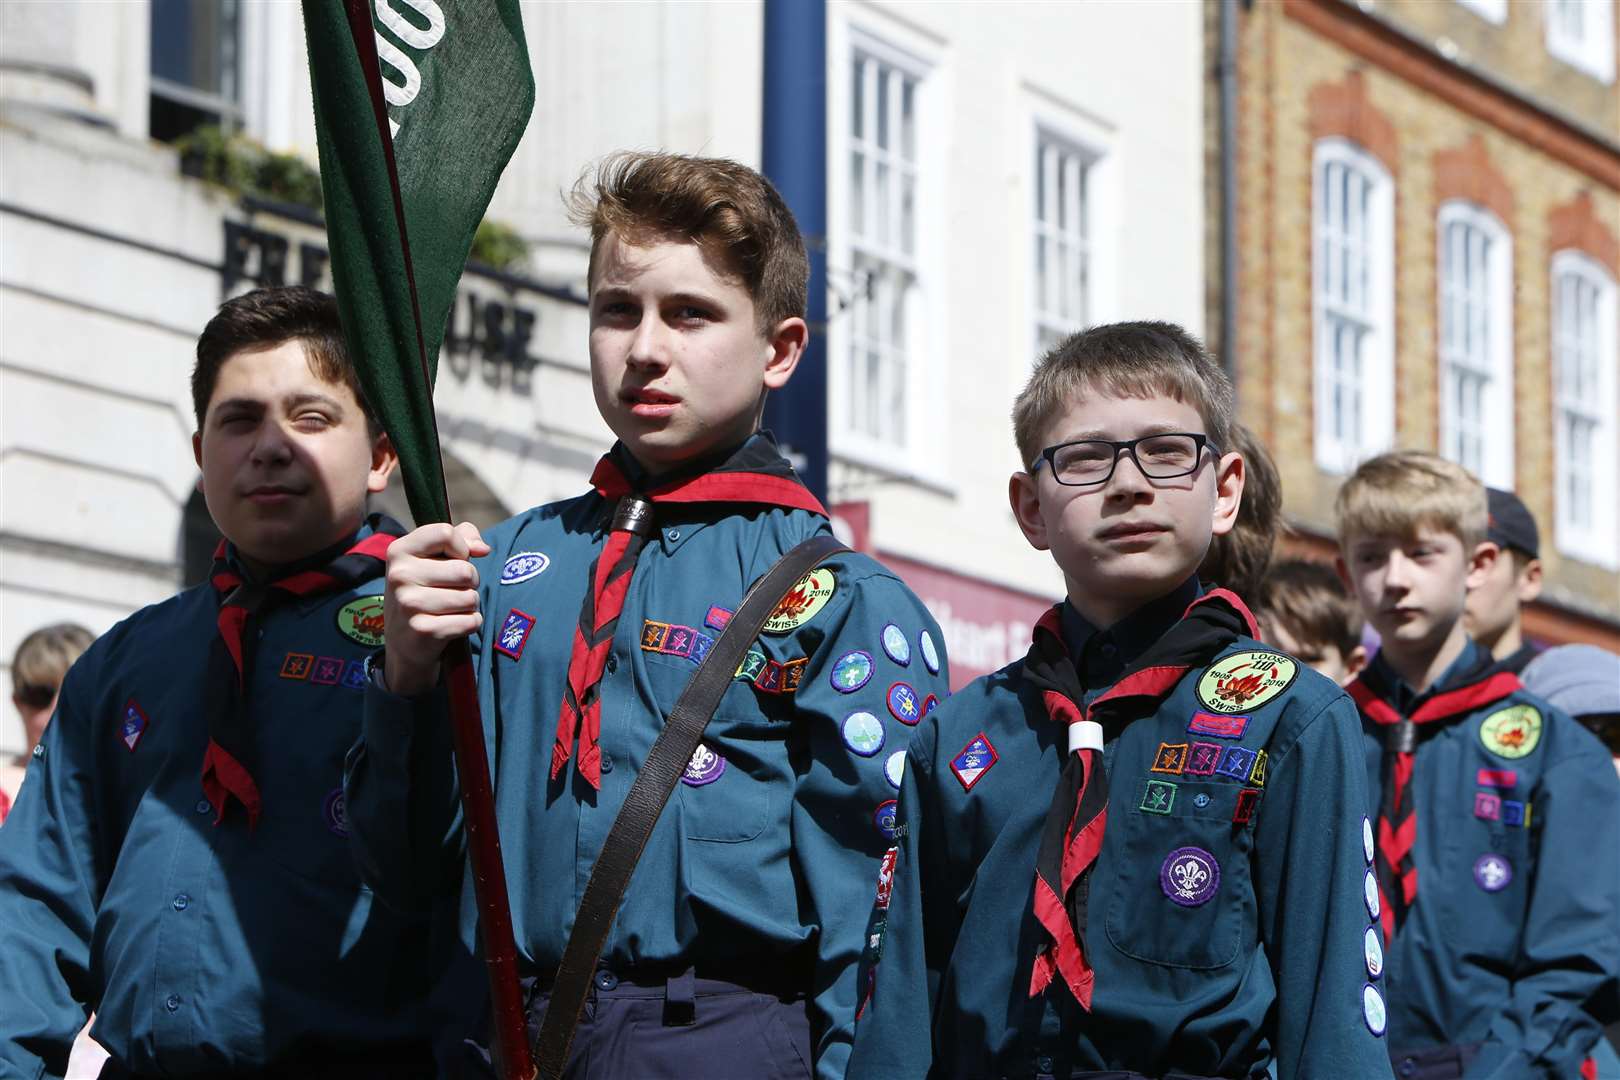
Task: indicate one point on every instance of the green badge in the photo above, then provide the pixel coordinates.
(1245, 680)
(362, 620)
(1511, 732)
(1159, 797)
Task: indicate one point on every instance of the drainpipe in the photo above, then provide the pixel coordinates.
(1226, 74)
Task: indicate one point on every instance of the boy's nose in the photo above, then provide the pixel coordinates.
(271, 446)
(1128, 478)
(649, 346)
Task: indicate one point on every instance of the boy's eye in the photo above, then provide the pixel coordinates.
(689, 313)
(312, 420)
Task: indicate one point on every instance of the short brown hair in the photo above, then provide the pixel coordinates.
(1311, 604)
(732, 212)
(264, 318)
(1238, 559)
(42, 661)
(1131, 359)
(1398, 493)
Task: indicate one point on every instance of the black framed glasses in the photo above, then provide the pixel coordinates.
(1165, 456)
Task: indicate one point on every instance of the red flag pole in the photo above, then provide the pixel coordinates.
(512, 1057)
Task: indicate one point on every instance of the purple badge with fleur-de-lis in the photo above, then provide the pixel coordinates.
(1190, 876)
(705, 767)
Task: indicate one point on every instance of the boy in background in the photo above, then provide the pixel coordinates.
(1240, 558)
(1493, 615)
(37, 669)
(1308, 613)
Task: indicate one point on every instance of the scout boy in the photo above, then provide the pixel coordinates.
(1492, 615)
(1498, 815)
(1307, 612)
(1140, 850)
(177, 858)
(734, 951)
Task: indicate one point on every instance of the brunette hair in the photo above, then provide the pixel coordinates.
(1238, 560)
(1311, 604)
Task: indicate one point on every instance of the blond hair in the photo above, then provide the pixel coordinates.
(1398, 493)
(1129, 360)
(42, 661)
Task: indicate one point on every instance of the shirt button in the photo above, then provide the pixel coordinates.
(612, 663)
(1108, 649)
(607, 763)
(182, 902)
(1408, 1067)
(172, 1003)
(1044, 1064)
(674, 535)
(203, 806)
(1201, 800)
(39, 750)
(606, 980)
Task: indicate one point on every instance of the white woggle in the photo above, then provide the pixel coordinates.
(1085, 735)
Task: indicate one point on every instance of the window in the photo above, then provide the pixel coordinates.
(1581, 34)
(1476, 342)
(195, 66)
(1064, 271)
(1585, 408)
(1353, 259)
(1492, 10)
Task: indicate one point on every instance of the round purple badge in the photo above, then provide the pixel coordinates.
(332, 810)
(852, 671)
(1190, 876)
(884, 817)
(1492, 872)
(704, 768)
(903, 703)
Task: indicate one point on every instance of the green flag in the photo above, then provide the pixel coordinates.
(453, 78)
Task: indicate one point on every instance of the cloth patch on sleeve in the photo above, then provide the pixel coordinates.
(1247, 800)
(1515, 814)
(1202, 759)
(903, 703)
(1159, 797)
(1498, 778)
(886, 817)
(863, 733)
(930, 703)
(328, 670)
(1222, 727)
(679, 641)
(1487, 806)
(1171, 758)
(801, 603)
(1237, 762)
(894, 769)
(1257, 776)
(297, 665)
(770, 678)
(653, 635)
(885, 884)
(354, 675)
(974, 761)
(852, 671)
(896, 645)
(514, 633)
(793, 674)
(701, 644)
(718, 618)
(752, 664)
(133, 725)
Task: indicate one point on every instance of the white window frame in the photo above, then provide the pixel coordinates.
(917, 454)
(1490, 10)
(1494, 363)
(1592, 401)
(1591, 49)
(1374, 315)
(1066, 299)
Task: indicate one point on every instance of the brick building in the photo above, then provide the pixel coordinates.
(1427, 245)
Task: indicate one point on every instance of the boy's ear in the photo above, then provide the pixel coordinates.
(384, 461)
(196, 452)
(1355, 662)
(787, 342)
(1530, 581)
(1025, 499)
(1229, 478)
(1481, 562)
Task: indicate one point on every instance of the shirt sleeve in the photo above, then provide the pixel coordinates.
(1311, 862)
(844, 802)
(49, 891)
(1571, 942)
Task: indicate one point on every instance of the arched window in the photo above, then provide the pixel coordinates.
(1476, 342)
(1585, 408)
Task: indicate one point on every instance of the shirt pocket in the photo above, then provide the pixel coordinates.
(1488, 870)
(1182, 894)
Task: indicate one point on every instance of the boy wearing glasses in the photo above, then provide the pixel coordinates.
(1141, 850)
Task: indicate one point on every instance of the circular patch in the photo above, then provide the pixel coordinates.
(884, 817)
(1190, 876)
(523, 566)
(362, 620)
(930, 655)
(896, 645)
(1373, 950)
(1369, 889)
(1511, 732)
(704, 768)
(852, 671)
(1246, 680)
(1492, 872)
(802, 602)
(904, 705)
(1372, 1009)
(1367, 840)
(894, 769)
(930, 703)
(337, 818)
(863, 733)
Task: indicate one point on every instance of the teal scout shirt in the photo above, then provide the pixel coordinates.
(1516, 925)
(1227, 920)
(764, 858)
(201, 948)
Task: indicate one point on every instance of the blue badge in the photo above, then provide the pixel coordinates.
(930, 703)
(1492, 872)
(896, 645)
(885, 817)
(523, 566)
(514, 633)
(904, 704)
(1513, 813)
(852, 671)
(328, 670)
(1236, 762)
(704, 768)
(133, 725)
(894, 769)
(1372, 1009)
(1373, 950)
(701, 644)
(930, 654)
(974, 761)
(354, 675)
(1189, 876)
(863, 733)
(337, 818)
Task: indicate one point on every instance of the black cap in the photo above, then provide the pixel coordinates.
(1511, 525)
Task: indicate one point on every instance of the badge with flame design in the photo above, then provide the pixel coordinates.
(1246, 680)
(1511, 732)
(802, 602)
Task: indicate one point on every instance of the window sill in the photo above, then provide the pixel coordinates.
(892, 465)
(1588, 550)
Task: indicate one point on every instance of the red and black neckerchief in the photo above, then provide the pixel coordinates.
(232, 756)
(755, 473)
(1073, 833)
(1482, 683)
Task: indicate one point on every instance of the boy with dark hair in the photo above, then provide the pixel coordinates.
(1140, 850)
(1240, 558)
(734, 950)
(1307, 612)
(38, 666)
(1493, 614)
(177, 859)
(1498, 815)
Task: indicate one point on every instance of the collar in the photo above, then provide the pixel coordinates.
(1401, 694)
(1102, 654)
(1471, 681)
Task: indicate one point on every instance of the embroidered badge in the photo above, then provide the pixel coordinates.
(1190, 876)
(1159, 797)
(1498, 778)
(1372, 1009)
(1222, 727)
(801, 603)
(1515, 814)
(718, 618)
(1237, 762)
(133, 725)
(1171, 758)
(678, 642)
(701, 644)
(904, 704)
(863, 733)
(1257, 776)
(852, 671)
(1247, 800)
(896, 645)
(974, 761)
(1492, 872)
(1369, 893)
(354, 675)
(653, 635)
(362, 620)
(328, 670)
(296, 665)
(1373, 950)
(514, 633)
(1246, 680)
(894, 769)
(1511, 732)
(930, 703)
(930, 655)
(337, 819)
(523, 566)
(1367, 840)
(770, 679)
(886, 817)
(793, 674)
(885, 886)
(704, 767)
(1487, 807)
(752, 664)
(1202, 758)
